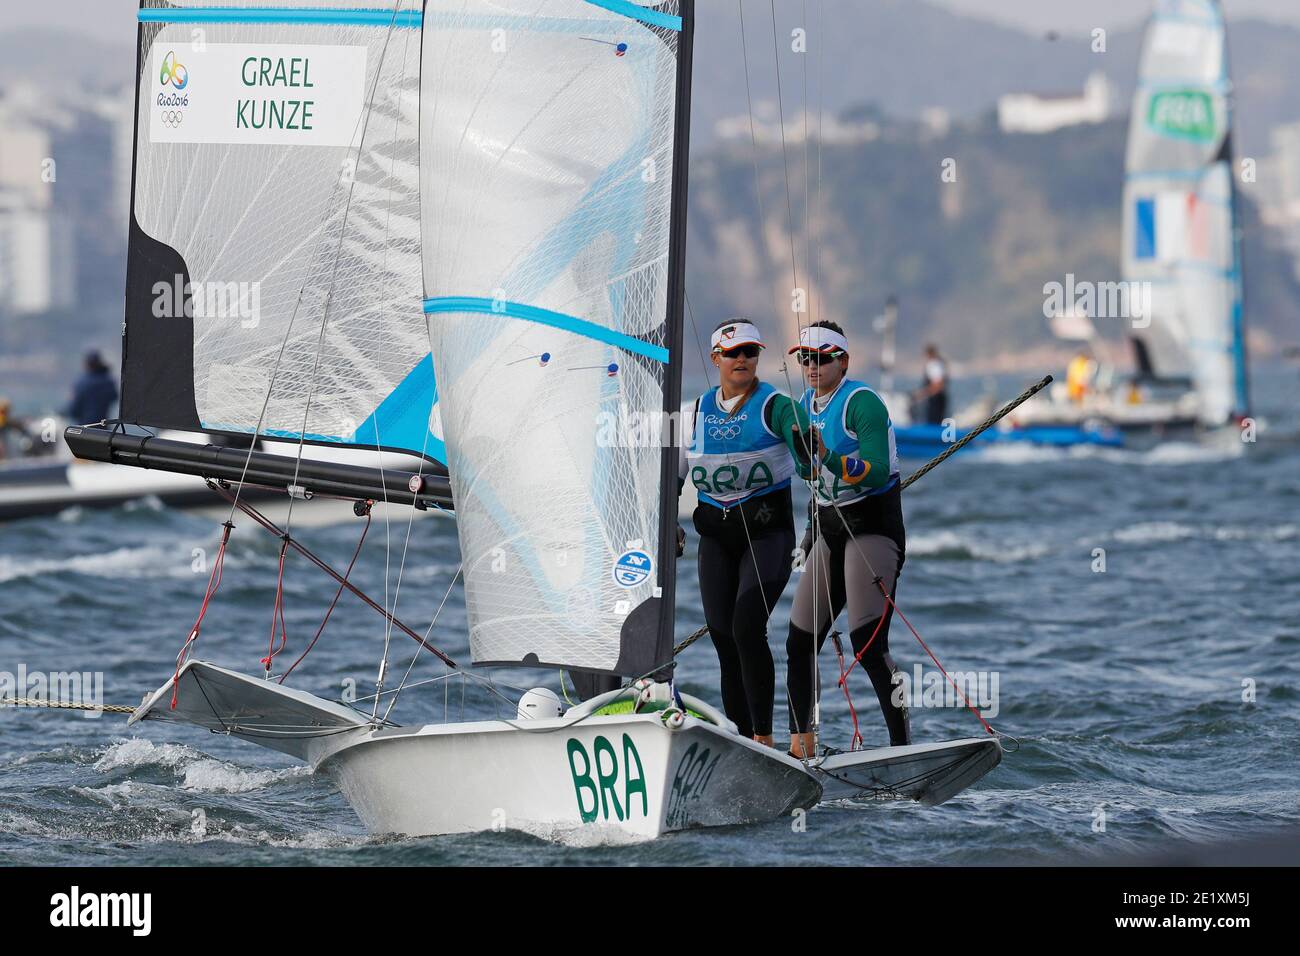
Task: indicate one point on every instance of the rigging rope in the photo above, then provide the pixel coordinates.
(214, 582)
(306, 552)
(337, 594)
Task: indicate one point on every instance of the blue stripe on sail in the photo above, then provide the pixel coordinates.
(364, 17)
(1238, 351)
(1228, 275)
(402, 419)
(1217, 86)
(1213, 24)
(556, 320)
(1168, 173)
(274, 432)
(637, 12)
(1144, 244)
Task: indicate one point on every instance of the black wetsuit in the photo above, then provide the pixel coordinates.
(744, 565)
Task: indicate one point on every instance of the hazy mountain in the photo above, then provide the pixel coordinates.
(968, 259)
(906, 55)
(64, 63)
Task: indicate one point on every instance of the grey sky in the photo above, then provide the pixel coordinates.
(110, 18)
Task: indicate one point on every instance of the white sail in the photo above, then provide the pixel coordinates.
(1179, 230)
(550, 146)
(277, 170)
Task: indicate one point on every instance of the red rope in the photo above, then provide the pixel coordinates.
(856, 741)
(964, 699)
(214, 582)
(277, 613)
(857, 658)
(337, 594)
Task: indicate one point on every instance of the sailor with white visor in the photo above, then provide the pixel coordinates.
(860, 542)
(741, 439)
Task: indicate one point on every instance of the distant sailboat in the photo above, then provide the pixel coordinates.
(1180, 242)
(1180, 211)
(528, 160)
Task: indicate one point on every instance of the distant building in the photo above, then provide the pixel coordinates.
(936, 120)
(1277, 188)
(766, 127)
(36, 257)
(1043, 113)
(65, 167)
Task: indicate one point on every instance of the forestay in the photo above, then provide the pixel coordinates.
(1179, 207)
(553, 161)
(274, 250)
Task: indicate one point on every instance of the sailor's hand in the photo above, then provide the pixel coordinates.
(811, 445)
(819, 449)
(798, 556)
(681, 541)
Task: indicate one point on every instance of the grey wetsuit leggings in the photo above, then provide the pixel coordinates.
(840, 571)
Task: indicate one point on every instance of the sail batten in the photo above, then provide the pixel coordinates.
(552, 164)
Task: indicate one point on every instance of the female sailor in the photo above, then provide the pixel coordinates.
(737, 451)
(859, 537)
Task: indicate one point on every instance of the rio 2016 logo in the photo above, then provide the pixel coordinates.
(173, 72)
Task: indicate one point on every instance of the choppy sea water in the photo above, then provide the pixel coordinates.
(1128, 689)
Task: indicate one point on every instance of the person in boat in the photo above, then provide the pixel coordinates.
(741, 440)
(9, 426)
(94, 393)
(1079, 376)
(856, 543)
(932, 396)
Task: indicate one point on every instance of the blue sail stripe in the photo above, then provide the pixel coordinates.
(362, 16)
(556, 320)
(637, 12)
(365, 17)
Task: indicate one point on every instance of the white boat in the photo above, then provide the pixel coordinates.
(535, 179)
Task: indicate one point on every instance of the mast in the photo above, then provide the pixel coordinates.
(1241, 381)
(887, 325)
(676, 323)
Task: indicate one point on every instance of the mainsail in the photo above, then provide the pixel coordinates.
(1180, 207)
(274, 262)
(553, 184)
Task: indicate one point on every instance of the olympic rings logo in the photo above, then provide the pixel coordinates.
(724, 433)
(172, 118)
(173, 71)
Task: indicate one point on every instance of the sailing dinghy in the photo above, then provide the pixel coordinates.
(535, 178)
(1180, 243)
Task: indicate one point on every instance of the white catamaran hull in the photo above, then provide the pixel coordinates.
(927, 773)
(615, 775)
(590, 776)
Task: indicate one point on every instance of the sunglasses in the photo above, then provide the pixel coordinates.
(821, 358)
(749, 351)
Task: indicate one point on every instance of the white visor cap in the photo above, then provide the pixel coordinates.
(735, 334)
(818, 338)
